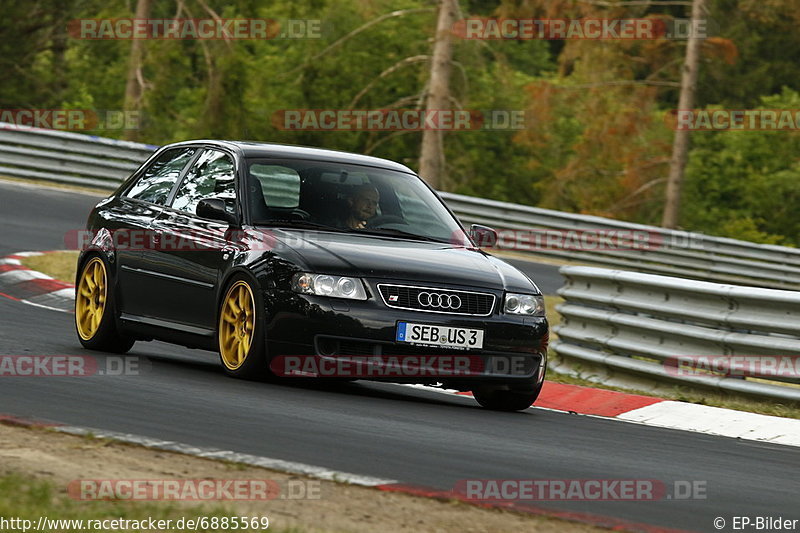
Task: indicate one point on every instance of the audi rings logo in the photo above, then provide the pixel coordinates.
(441, 301)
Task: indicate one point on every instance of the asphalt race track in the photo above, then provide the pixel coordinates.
(411, 435)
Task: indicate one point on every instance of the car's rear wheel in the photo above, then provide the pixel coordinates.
(95, 310)
(240, 331)
(504, 399)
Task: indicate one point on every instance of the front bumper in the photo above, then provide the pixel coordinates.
(513, 354)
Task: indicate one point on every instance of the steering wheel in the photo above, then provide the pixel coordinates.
(300, 214)
(385, 219)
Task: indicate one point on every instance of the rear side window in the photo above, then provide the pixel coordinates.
(156, 182)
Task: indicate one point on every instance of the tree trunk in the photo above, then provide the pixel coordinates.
(431, 160)
(680, 146)
(61, 16)
(133, 87)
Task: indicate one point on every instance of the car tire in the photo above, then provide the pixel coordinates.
(240, 330)
(498, 399)
(95, 309)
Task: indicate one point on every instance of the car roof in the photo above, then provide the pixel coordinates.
(290, 151)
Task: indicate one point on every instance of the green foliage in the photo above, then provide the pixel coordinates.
(594, 139)
(768, 47)
(746, 184)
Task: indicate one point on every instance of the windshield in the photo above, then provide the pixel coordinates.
(349, 198)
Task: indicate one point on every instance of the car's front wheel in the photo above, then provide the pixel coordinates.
(500, 399)
(95, 310)
(240, 330)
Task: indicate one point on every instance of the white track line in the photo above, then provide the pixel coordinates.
(226, 455)
(18, 276)
(43, 306)
(717, 421)
(694, 418)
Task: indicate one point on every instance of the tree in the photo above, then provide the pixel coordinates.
(33, 45)
(597, 141)
(135, 84)
(432, 159)
(680, 147)
(746, 184)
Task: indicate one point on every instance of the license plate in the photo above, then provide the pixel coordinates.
(445, 336)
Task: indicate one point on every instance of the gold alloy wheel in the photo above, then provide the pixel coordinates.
(236, 325)
(90, 298)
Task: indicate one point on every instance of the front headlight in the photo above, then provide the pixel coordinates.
(524, 304)
(325, 285)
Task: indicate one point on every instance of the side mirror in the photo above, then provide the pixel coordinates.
(484, 236)
(214, 209)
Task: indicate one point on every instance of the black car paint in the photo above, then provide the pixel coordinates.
(174, 295)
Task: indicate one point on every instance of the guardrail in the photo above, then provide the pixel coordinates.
(668, 252)
(669, 328)
(100, 162)
(68, 157)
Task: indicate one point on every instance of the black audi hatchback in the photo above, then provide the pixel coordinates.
(267, 252)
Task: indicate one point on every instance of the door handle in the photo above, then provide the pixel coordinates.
(155, 239)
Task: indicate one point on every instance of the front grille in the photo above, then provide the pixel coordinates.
(434, 300)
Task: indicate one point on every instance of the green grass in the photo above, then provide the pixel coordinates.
(553, 318)
(58, 265)
(29, 499)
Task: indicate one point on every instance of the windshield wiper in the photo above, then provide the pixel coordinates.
(399, 233)
(294, 223)
(385, 232)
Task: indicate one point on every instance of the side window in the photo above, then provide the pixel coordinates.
(158, 179)
(212, 176)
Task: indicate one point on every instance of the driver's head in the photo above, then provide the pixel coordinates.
(364, 202)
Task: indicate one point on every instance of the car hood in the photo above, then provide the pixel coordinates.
(398, 259)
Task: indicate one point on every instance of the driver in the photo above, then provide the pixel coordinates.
(363, 205)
